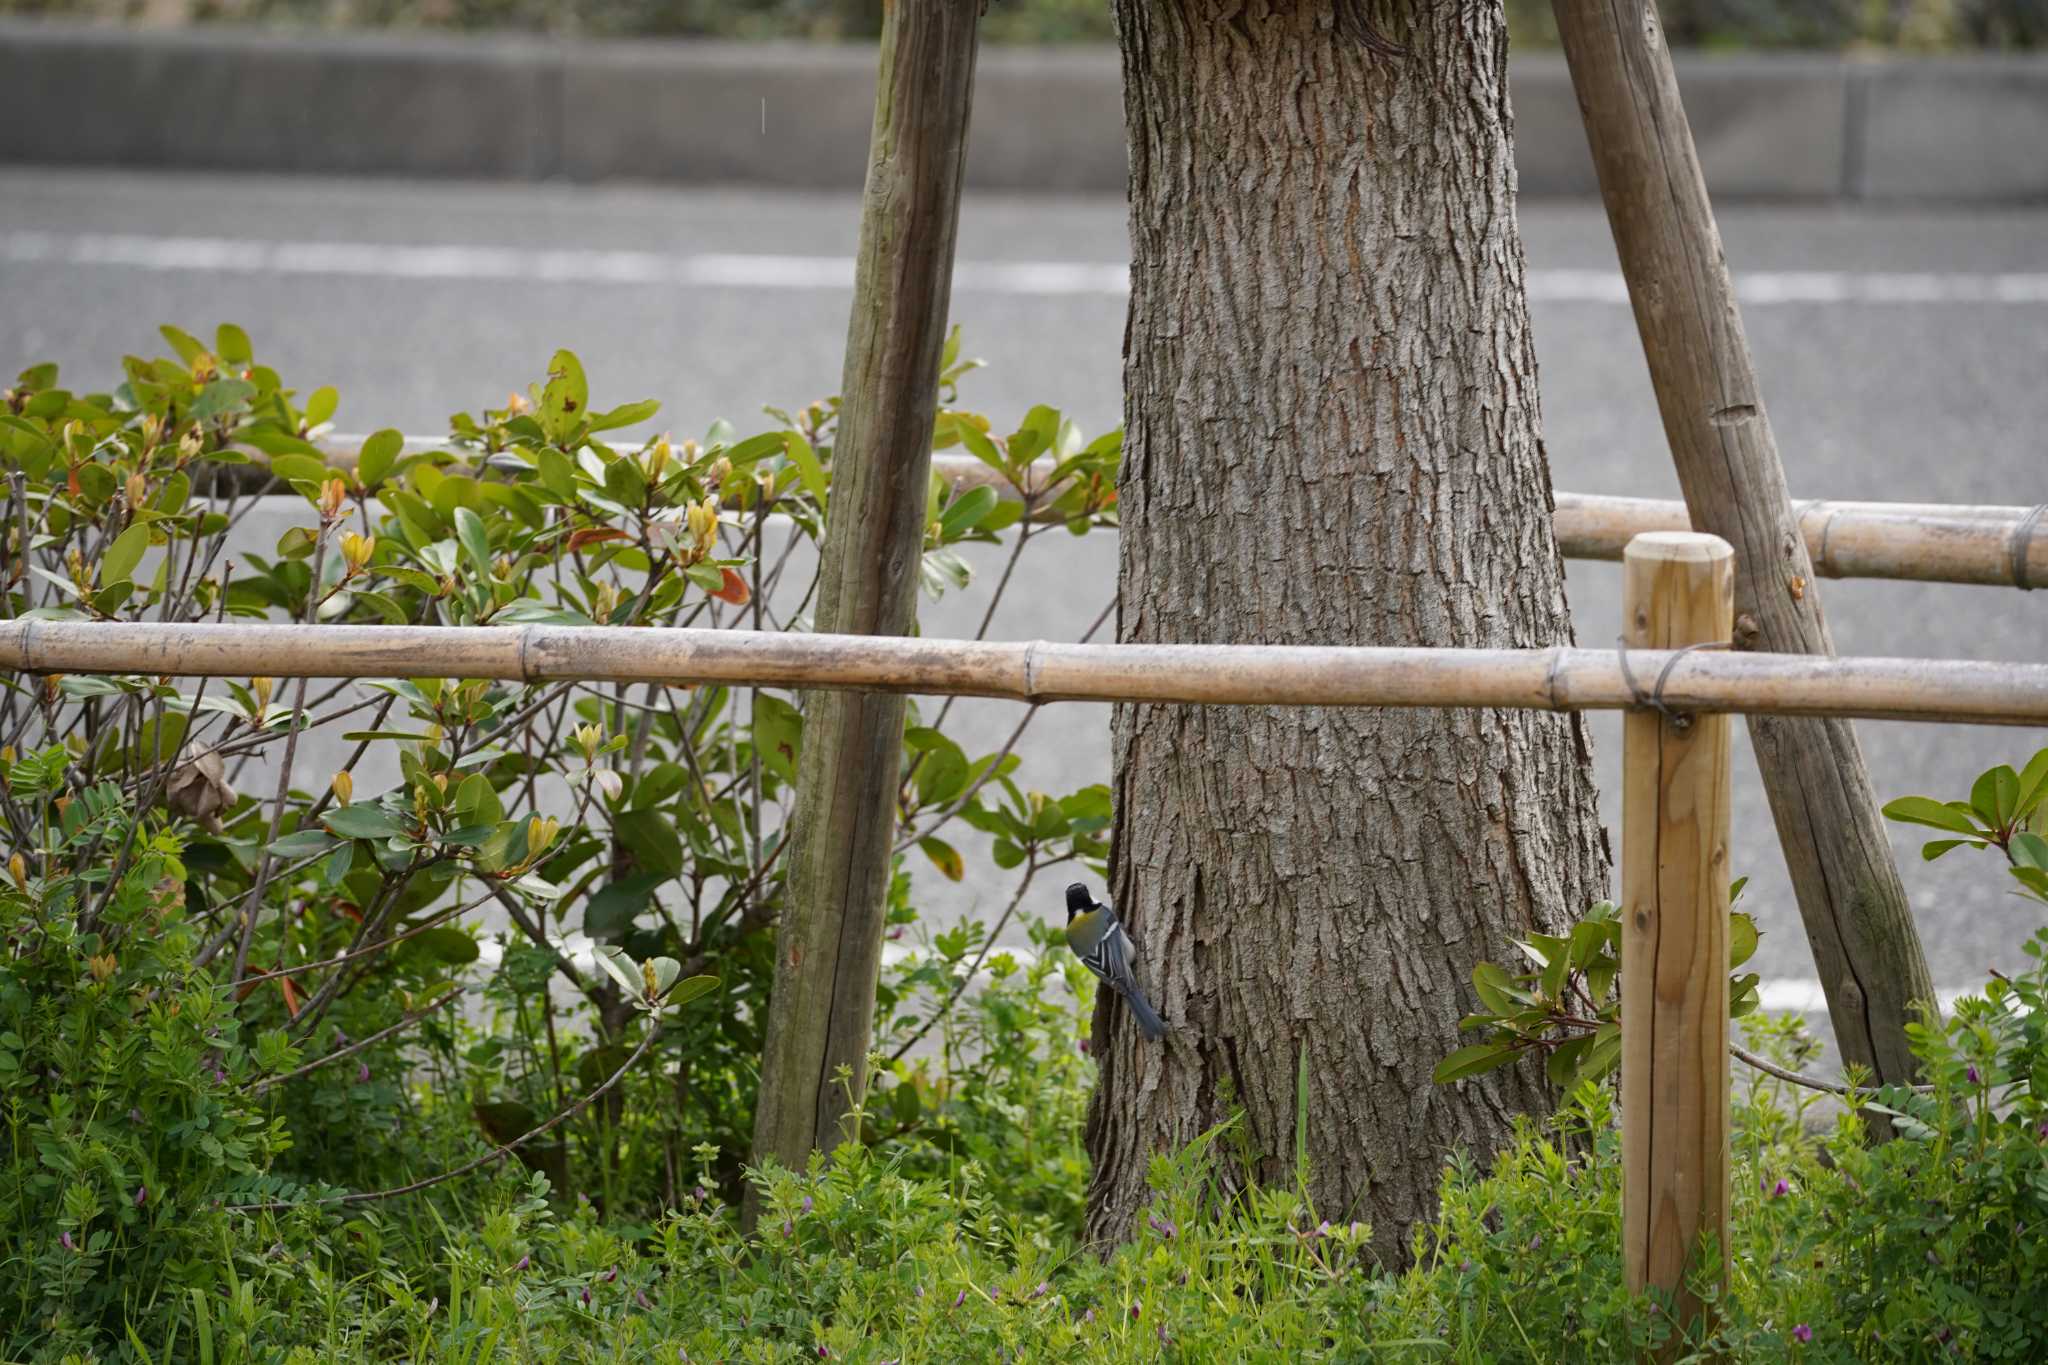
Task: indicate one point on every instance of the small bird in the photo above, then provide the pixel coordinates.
(1105, 949)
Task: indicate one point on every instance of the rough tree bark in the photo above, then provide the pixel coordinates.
(1332, 437)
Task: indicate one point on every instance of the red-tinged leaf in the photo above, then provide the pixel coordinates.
(591, 535)
(354, 912)
(734, 589)
(293, 1001)
(72, 482)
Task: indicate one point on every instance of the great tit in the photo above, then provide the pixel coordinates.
(1105, 949)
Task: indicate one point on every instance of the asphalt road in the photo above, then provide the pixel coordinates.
(1903, 357)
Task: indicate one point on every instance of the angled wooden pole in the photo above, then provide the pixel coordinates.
(1678, 591)
(1865, 947)
(829, 942)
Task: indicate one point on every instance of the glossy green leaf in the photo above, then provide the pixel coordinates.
(1473, 1060)
(364, 820)
(475, 540)
(118, 563)
(445, 945)
(651, 838)
(1994, 794)
(320, 405)
(806, 461)
(609, 914)
(1923, 810)
(625, 415)
(378, 457)
(231, 344)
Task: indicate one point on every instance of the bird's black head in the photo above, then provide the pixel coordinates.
(1078, 900)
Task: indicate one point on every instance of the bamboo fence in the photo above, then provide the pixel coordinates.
(1560, 678)
(1984, 545)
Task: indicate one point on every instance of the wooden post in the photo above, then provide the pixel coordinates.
(1865, 947)
(829, 944)
(1678, 590)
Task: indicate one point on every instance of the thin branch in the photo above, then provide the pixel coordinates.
(988, 945)
(1770, 1068)
(494, 1155)
(379, 1036)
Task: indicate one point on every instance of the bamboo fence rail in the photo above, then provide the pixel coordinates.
(1984, 545)
(1560, 678)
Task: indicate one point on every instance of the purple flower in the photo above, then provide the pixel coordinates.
(524, 1261)
(1039, 1292)
(824, 1351)
(1802, 1334)
(1162, 1334)
(141, 1195)
(1083, 1045)
(1974, 1078)
(1088, 1314)
(959, 1298)
(1163, 1226)
(700, 1194)
(1323, 1228)
(65, 1239)
(1135, 1308)
(362, 1073)
(135, 1118)
(788, 1228)
(1465, 1267)
(219, 1077)
(586, 1296)
(807, 1204)
(2042, 1129)
(641, 1299)
(1536, 1242)
(1781, 1189)
(683, 1354)
(920, 1292)
(611, 1275)
(896, 933)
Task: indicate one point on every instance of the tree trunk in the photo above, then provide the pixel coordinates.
(1332, 437)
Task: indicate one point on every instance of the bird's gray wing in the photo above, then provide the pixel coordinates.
(1111, 959)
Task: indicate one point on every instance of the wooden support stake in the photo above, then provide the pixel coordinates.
(1865, 947)
(1678, 590)
(829, 945)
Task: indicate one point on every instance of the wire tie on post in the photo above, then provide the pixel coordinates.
(1678, 720)
(2022, 547)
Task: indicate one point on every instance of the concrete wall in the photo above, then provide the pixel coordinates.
(503, 107)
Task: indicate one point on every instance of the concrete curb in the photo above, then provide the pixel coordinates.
(510, 107)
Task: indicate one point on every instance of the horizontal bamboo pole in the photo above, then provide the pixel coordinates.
(1555, 679)
(1928, 542)
(1990, 546)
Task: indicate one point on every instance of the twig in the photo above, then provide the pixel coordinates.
(1770, 1068)
(988, 945)
(494, 1155)
(379, 1036)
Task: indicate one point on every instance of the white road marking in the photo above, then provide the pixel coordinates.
(593, 266)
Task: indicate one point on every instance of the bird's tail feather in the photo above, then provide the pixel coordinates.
(1149, 1022)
